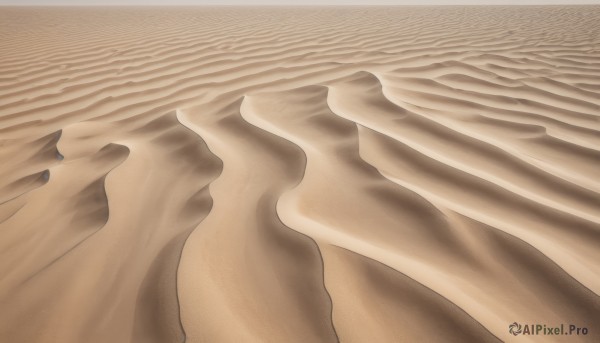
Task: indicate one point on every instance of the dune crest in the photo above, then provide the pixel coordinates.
(401, 174)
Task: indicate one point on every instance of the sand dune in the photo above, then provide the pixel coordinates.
(401, 174)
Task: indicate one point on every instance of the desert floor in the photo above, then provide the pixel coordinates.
(370, 175)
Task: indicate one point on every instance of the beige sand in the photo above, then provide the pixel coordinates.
(412, 174)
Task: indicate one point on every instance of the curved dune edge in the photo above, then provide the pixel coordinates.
(298, 175)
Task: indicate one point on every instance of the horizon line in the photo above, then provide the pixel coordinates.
(280, 5)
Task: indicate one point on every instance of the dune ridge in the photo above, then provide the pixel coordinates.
(367, 174)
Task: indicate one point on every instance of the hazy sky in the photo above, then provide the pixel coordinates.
(295, 2)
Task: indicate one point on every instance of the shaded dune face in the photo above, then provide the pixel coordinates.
(298, 175)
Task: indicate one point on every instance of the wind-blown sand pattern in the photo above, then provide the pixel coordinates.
(403, 174)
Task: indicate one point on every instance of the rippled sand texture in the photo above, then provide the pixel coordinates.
(298, 175)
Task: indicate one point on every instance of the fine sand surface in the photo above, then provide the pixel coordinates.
(370, 175)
